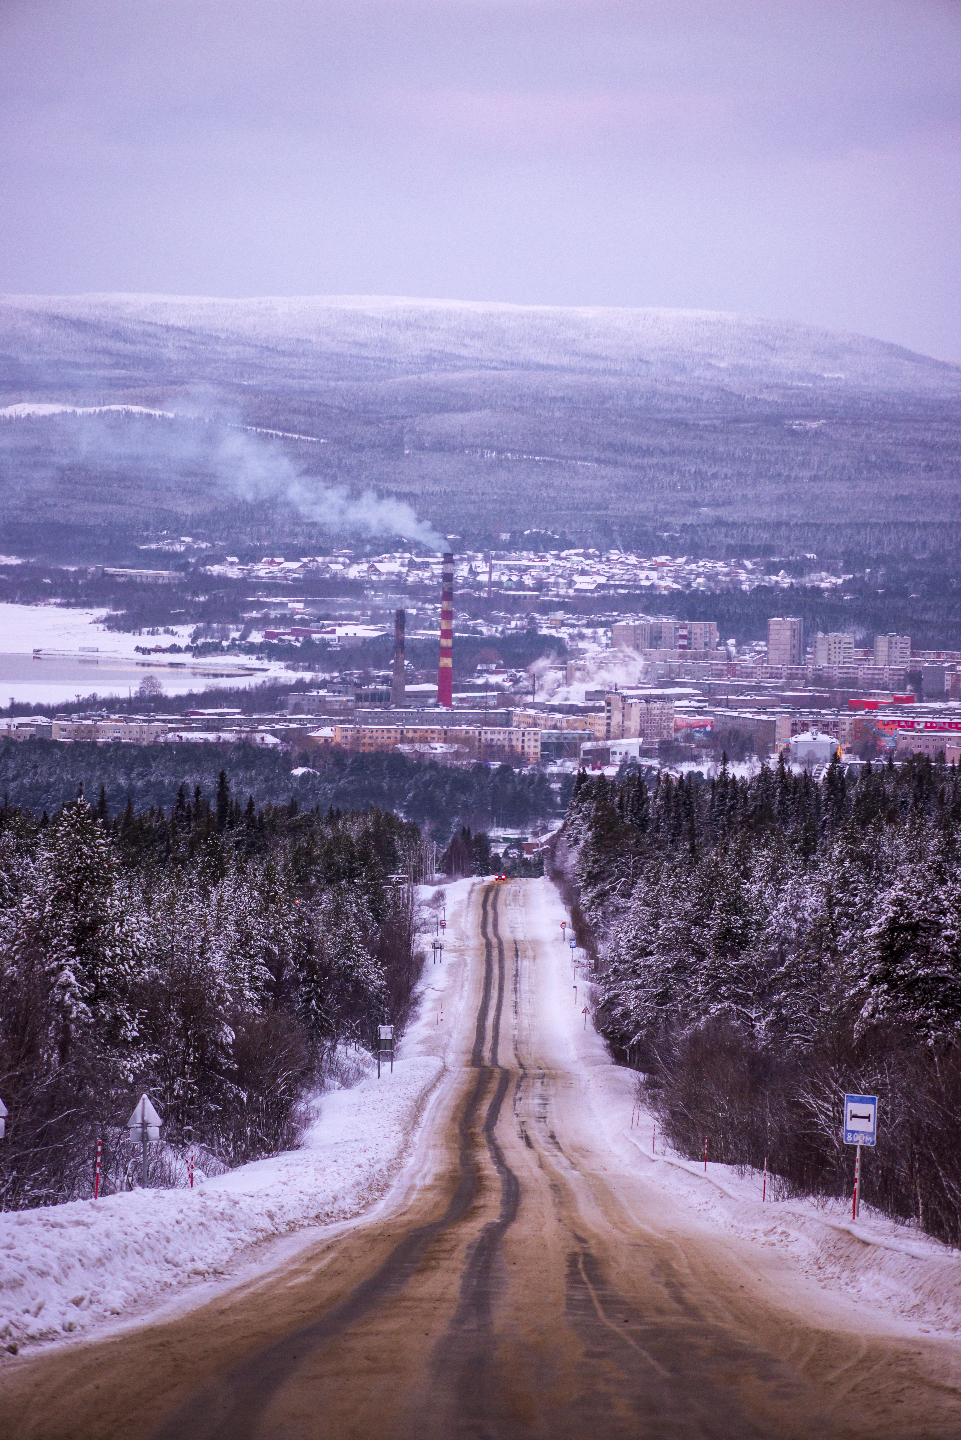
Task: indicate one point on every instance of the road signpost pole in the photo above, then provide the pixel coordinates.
(146, 1123)
(96, 1171)
(860, 1128)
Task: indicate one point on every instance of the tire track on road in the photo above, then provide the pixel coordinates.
(468, 1348)
(232, 1408)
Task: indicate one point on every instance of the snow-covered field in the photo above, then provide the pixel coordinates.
(79, 1267)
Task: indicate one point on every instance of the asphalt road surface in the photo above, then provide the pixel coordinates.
(531, 1281)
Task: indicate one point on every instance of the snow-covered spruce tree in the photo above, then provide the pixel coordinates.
(71, 965)
(212, 957)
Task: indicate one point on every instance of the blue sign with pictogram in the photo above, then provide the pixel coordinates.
(860, 1119)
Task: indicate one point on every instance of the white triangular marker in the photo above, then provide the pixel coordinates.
(144, 1111)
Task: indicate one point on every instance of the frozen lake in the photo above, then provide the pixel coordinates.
(61, 679)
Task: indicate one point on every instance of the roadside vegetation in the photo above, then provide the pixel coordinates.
(218, 955)
(763, 946)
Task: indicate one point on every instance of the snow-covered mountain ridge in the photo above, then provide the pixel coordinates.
(412, 334)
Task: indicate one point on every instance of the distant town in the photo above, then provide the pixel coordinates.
(604, 689)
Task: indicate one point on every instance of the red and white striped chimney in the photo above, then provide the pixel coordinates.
(445, 672)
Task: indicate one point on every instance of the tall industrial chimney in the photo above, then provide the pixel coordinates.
(445, 673)
(398, 690)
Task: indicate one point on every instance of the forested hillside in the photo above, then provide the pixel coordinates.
(45, 774)
(215, 956)
(607, 426)
(765, 945)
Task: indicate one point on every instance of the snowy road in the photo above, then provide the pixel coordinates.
(535, 1279)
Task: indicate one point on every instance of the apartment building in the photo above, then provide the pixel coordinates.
(681, 635)
(833, 649)
(631, 718)
(543, 720)
(928, 742)
(131, 732)
(892, 650)
(523, 741)
(785, 640)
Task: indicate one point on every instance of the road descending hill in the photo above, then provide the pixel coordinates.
(531, 1276)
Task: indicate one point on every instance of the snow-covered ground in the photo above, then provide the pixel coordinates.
(894, 1270)
(110, 663)
(78, 1267)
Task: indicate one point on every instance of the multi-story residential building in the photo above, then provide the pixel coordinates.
(785, 640)
(928, 742)
(524, 741)
(631, 635)
(833, 649)
(630, 718)
(544, 720)
(682, 635)
(892, 650)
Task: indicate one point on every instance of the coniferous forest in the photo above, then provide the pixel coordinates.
(219, 957)
(762, 946)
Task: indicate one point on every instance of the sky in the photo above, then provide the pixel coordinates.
(786, 158)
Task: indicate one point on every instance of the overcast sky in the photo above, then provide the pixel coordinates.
(772, 157)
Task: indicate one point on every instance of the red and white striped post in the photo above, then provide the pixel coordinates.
(445, 670)
(764, 1186)
(705, 1154)
(96, 1170)
(654, 1139)
(190, 1169)
(856, 1197)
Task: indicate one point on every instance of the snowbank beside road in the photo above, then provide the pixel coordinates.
(894, 1269)
(72, 1268)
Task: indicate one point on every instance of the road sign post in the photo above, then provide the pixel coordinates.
(385, 1046)
(144, 1123)
(860, 1128)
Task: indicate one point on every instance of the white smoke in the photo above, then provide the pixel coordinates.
(598, 669)
(259, 469)
(242, 460)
